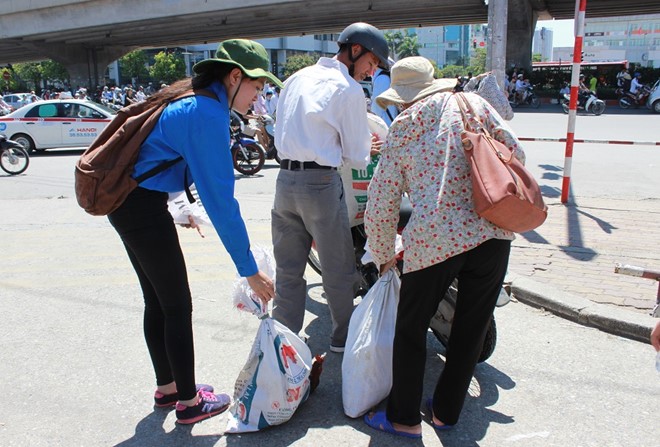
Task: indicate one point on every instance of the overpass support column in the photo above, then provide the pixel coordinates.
(86, 65)
(496, 54)
(520, 32)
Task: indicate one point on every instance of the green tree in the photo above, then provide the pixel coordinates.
(28, 74)
(394, 39)
(536, 57)
(409, 46)
(52, 72)
(168, 67)
(451, 71)
(134, 65)
(478, 61)
(297, 62)
(401, 45)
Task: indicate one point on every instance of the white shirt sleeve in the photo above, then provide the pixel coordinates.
(353, 128)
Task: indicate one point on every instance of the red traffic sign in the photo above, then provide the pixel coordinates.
(6, 75)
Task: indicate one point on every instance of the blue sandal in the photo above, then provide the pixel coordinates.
(429, 407)
(379, 421)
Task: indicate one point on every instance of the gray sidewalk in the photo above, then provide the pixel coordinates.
(567, 265)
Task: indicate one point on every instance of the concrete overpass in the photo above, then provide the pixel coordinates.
(86, 35)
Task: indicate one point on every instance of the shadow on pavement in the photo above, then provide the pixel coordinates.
(576, 246)
(484, 392)
(149, 431)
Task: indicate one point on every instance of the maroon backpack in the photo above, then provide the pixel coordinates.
(103, 172)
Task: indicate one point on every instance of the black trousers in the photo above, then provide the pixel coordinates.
(149, 235)
(480, 274)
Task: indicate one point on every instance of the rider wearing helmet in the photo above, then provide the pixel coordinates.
(636, 85)
(321, 125)
(521, 88)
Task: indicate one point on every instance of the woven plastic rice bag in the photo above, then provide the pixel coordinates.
(356, 181)
(275, 379)
(367, 365)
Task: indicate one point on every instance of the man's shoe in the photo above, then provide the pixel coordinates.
(337, 349)
(168, 400)
(209, 405)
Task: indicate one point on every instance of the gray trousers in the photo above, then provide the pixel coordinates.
(309, 205)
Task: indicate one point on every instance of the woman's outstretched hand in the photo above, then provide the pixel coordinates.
(262, 286)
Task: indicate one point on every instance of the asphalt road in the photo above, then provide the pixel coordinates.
(75, 370)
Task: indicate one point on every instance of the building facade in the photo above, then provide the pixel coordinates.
(542, 44)
(632, 38)
(447, 45)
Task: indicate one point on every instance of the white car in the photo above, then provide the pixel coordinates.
(56, 123)
(17, 100)
(653, 102)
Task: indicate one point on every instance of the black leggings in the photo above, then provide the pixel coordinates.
(480, 274)
(148, 232)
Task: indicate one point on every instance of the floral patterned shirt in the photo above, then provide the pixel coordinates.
(423, 157)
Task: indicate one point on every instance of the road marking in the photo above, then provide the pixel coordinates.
(580, 140)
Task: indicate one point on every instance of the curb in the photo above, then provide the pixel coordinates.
(609, 319)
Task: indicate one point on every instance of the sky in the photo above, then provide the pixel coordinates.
(562, 31)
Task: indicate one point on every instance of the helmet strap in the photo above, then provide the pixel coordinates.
(351, 68)
(231, 103)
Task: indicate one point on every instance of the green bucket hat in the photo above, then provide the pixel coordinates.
(248, 55)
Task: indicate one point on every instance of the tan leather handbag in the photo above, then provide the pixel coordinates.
(504, 192)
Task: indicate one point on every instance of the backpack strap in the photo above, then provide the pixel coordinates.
(168, 164)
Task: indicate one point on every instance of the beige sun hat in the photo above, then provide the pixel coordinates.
(411, 80)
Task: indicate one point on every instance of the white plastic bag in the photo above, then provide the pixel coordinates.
(275, 378)
(367, 365)
(180, 208)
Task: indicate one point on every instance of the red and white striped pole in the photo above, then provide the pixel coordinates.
(580, 8)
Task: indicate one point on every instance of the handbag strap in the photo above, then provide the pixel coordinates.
(466, 112)
(465, 106)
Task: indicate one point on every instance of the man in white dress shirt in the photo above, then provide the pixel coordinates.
(321, 125)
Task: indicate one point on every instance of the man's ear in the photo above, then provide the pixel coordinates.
(356, 49)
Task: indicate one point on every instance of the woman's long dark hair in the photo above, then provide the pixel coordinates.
(212, 72)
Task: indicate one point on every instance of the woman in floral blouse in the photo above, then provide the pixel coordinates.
(444, 239)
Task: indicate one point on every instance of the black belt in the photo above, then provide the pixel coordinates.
(293, 165)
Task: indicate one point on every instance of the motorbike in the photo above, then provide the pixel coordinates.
(528, 98)
(588, 102)
(442, 320)
(14, 159)
(268, 124)
(247, 154)
(630, 100)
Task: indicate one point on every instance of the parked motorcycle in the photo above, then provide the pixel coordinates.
(528, 98)
(14, 159)
(247, 154)
(630, 100)
(268, 124)
(442, 320)
(588, 102)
